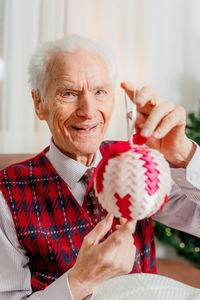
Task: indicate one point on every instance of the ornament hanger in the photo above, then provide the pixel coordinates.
(131, 124)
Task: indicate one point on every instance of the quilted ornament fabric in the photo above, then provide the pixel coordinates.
(143, 287)
(133, 182)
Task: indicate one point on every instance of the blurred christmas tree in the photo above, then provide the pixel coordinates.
(185, 244)
(193, 127)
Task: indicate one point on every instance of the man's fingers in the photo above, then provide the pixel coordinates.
(122, 221)
(140, 119)
(99, 231)
(129, 226)
(170, 121)
(147, 95)
(123, 236)
(156, 116)
(145, 98)
(129, 88)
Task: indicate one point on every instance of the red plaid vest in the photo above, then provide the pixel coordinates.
(51, 225)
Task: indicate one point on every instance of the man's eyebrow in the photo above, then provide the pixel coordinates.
(78, 89)
(63, 83)
(68, 86)
(102, 87)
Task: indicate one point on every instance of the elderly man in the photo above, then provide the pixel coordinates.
(54, 245)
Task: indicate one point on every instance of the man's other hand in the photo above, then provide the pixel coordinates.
(98, 261)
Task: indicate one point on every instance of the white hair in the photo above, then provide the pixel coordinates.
(38, 77)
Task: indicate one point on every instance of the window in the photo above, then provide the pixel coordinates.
(2, 7)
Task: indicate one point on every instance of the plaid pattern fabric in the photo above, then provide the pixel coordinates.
(51, 225)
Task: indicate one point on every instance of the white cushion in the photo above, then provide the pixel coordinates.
(145, 287)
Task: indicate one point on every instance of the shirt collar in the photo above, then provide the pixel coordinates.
(69, 169)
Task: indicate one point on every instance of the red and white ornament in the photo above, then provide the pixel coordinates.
(132, 181)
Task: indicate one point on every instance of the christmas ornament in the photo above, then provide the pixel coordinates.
(132, 181)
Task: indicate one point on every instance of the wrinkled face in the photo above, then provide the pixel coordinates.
(78, 102)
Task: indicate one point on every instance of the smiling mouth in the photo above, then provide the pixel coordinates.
(85, 129)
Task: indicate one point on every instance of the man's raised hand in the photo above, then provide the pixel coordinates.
(162, 123)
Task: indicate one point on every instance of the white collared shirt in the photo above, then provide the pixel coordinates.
(71, 170)
(182, 212)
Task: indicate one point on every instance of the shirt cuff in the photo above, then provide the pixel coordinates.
(190, 175)
(193, 169)
(59, 289)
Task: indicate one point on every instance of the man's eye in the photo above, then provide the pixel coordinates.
(99, 92)
(68, 94)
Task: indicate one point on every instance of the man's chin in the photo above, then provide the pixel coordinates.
(88, 149)
(84, 154)
(88, 145)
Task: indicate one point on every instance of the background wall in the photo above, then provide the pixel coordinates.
(155, 42)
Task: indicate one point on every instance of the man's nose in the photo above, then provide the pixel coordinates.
(86, 107)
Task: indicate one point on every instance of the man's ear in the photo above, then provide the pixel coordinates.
(38, 104)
